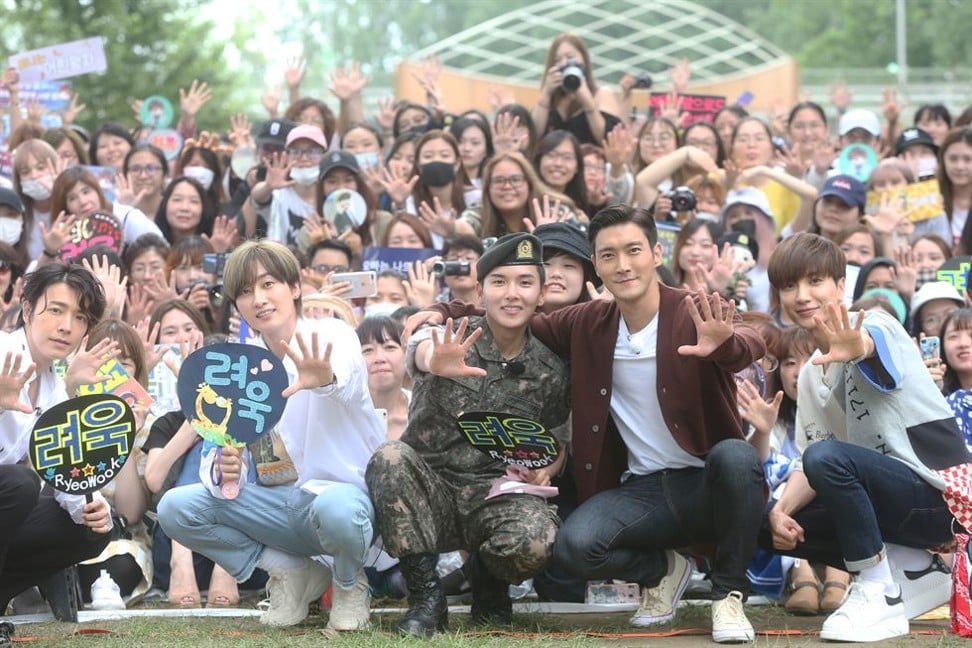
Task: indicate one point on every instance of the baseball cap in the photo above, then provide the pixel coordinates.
(306, 131)
(10, 198)
(339, 160)
(935, 290)
(845, 187)
(913, 137)
(748, 196)
(859, 118)
(275, 132)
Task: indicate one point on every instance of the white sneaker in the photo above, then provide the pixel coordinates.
(866, 615)
(351, 608)
(105, 593)
(729, 622)
(923, 590)
(658, 603)
(292, 590)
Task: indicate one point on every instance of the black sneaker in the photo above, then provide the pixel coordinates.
(6, 634)
(491, 604)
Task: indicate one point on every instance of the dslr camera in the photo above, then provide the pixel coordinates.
(452, 268)
(572, 75)
(683, 199)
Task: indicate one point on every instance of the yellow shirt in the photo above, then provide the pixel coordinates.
(784, 203)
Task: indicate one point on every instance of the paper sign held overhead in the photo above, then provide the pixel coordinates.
(61, 61)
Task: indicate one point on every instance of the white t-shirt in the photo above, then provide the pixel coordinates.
(635, 407)
(959, 216)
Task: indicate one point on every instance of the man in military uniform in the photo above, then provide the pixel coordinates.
(430, 488)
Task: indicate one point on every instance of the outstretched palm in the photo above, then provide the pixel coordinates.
(11, 384)
(712, 327)
(844, 342)
(313, 368)
(449, 354)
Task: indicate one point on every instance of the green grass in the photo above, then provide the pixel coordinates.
(537, 631)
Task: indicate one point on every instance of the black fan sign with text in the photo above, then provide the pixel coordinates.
(509, 438)
(80, 445)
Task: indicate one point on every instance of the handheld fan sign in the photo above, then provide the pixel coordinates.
(231, 395)
(80, 445)
(514, 440)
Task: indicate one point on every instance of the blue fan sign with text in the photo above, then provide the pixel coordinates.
(509, 438)
(80, 445)
(231, 393)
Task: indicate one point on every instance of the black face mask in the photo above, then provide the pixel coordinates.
(436, 174)
(420, 130)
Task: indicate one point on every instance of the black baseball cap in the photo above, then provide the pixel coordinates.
(275, 132)
(10, 198)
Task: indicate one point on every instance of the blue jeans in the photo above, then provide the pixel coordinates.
(234, 533)
(864, 499)
(623, 532)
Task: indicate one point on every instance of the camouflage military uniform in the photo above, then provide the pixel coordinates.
(429, 489)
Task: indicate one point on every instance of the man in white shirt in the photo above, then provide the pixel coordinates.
(45, 531)
(329, 429)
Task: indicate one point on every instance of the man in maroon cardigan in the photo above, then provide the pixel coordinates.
(659, 456)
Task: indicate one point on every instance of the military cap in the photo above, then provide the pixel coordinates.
(511, 249)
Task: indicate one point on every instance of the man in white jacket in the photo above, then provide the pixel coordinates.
(44, 532)
(329, 429)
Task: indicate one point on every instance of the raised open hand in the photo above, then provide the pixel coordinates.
(83, 367)
(59, 232)
(313, 366)
(845, 343)
(225, 235)
(11, 384)
(348, 82)
(448, 356)
(386, 114)
(421, 285)
(278, 168)
(761, 414)
(294, 74)
(271, 101)
(713, 324)
(69, 114)
(504, 133)
(544, 214)
(198, 96)
(240, 133)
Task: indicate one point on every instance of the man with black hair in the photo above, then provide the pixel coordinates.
(433, 491)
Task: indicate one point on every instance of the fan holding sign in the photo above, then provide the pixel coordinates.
(485, 430)
(46, 531)
(309, 497)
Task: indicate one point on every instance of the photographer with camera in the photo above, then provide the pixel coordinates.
(570, 99)
(686, 161)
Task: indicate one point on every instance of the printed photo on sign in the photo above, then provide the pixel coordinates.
(918, 200)
(106, 179)
(667, 235)
(97, 229)
(857, 161)
(513, 440)
(231, 393)
(156, 112)
(80, 445)
(346, 209)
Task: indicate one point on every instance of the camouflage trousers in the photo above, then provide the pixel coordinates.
(418, 511)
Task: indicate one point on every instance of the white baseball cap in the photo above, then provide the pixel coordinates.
(859, 118)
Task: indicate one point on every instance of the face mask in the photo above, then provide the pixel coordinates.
(200, 174)
(382, 309)
(367, 160)
(10, 230)
(714, 218)
(35, 189)
(436, 174)
(305, 175)
(926, 167)
(421, 130)
(923, 276)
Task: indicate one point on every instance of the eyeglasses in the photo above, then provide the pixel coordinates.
(701, 143)
(562, 157)
(932, 320)
(664, 138)
(139, 169)
(315, 153)
(514, 181)
(323, 268)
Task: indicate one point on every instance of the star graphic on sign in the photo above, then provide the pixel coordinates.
(101, 466)
(75, 472)
(521, 454)
(534, 455)
(88, 470)
(507, 453)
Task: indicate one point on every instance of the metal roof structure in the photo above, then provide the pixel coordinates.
(623, 36)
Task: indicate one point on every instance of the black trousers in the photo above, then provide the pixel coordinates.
(37, 537)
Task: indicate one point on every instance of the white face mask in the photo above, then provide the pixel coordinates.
(200, 174)
(36, 189)
(381, 309)
(305, 175)
(926, 167)
(10, 230)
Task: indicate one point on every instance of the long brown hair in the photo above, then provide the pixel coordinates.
(944, 184)
(492, 222)
(578, 43)
(65, 183)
